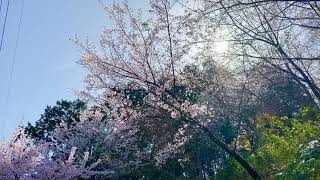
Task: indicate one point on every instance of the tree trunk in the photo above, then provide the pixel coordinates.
(251, 171)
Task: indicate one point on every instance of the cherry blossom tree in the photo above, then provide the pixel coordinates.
(74, 157)
(20, 159)
(148, 55)
(109, 146)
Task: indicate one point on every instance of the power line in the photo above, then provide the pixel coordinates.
(14, 59)
(0, 6)
(4, 25)
(15, 52)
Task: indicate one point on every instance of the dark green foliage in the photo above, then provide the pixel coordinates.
(150, 171)
(231, 171)
(204, 158)
(201, 158)
(180, 92)
(66, 111)
(136, 96)
(228, 131)
(283, 96)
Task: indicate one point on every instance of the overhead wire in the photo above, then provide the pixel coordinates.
(4, 25)
(14, 59)
(0, 5)
(15, 53)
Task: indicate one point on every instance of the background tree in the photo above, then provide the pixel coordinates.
(288, 148)
(21, 159)
(280, 34)
(64, 111)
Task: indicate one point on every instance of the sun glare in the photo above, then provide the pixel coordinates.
(221, 47)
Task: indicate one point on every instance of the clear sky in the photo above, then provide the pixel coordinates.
(45, 66)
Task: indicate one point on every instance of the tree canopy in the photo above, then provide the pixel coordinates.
(162, 102)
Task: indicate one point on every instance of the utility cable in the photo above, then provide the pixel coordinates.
(4, 25)
(13, 60)
(0, 5)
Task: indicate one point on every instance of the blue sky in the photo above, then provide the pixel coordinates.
(45, 68)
